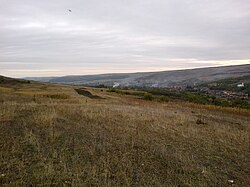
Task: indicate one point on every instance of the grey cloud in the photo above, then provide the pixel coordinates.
(131, 35)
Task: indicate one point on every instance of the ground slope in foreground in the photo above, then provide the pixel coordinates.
(52, 136)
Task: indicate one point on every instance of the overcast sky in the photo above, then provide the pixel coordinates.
(43, 38)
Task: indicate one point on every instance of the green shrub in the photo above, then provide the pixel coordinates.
(127, 92)
(163, 98)
(58, 96)
(148, 96)
(112, 90)
(240, 103)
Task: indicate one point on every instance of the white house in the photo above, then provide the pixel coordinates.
(116, 84)
(240, 85)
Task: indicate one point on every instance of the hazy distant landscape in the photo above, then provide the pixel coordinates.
(215, 85)
(154, 79)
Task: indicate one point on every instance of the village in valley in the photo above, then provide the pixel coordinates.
(224, 93)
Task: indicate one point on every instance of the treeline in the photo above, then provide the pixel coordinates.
(165, 95)
(142, 94)
(200, 98)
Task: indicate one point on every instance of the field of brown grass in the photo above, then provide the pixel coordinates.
(52, 136)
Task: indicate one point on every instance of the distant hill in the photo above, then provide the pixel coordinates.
(155, 79)
(40, 79)
(12, 81)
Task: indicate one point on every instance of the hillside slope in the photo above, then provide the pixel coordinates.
(52, 136)
(156, 79)
(10, 81)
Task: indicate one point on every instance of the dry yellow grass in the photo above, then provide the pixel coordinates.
(117, 141)
(237, 111)
(5, 90)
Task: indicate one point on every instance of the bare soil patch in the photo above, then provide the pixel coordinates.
(86, 93)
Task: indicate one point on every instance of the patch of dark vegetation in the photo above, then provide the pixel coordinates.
(165, 95)
(100, 86)
(148, 96)
(142, 94)
(86, 93)
(10, 81)
(58, 96)
(163, 98)
(128, 92)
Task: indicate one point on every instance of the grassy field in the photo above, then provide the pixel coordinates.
(52, 136)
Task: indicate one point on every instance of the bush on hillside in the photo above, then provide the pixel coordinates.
(163, 98)
(148, 96)
(58, 96)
